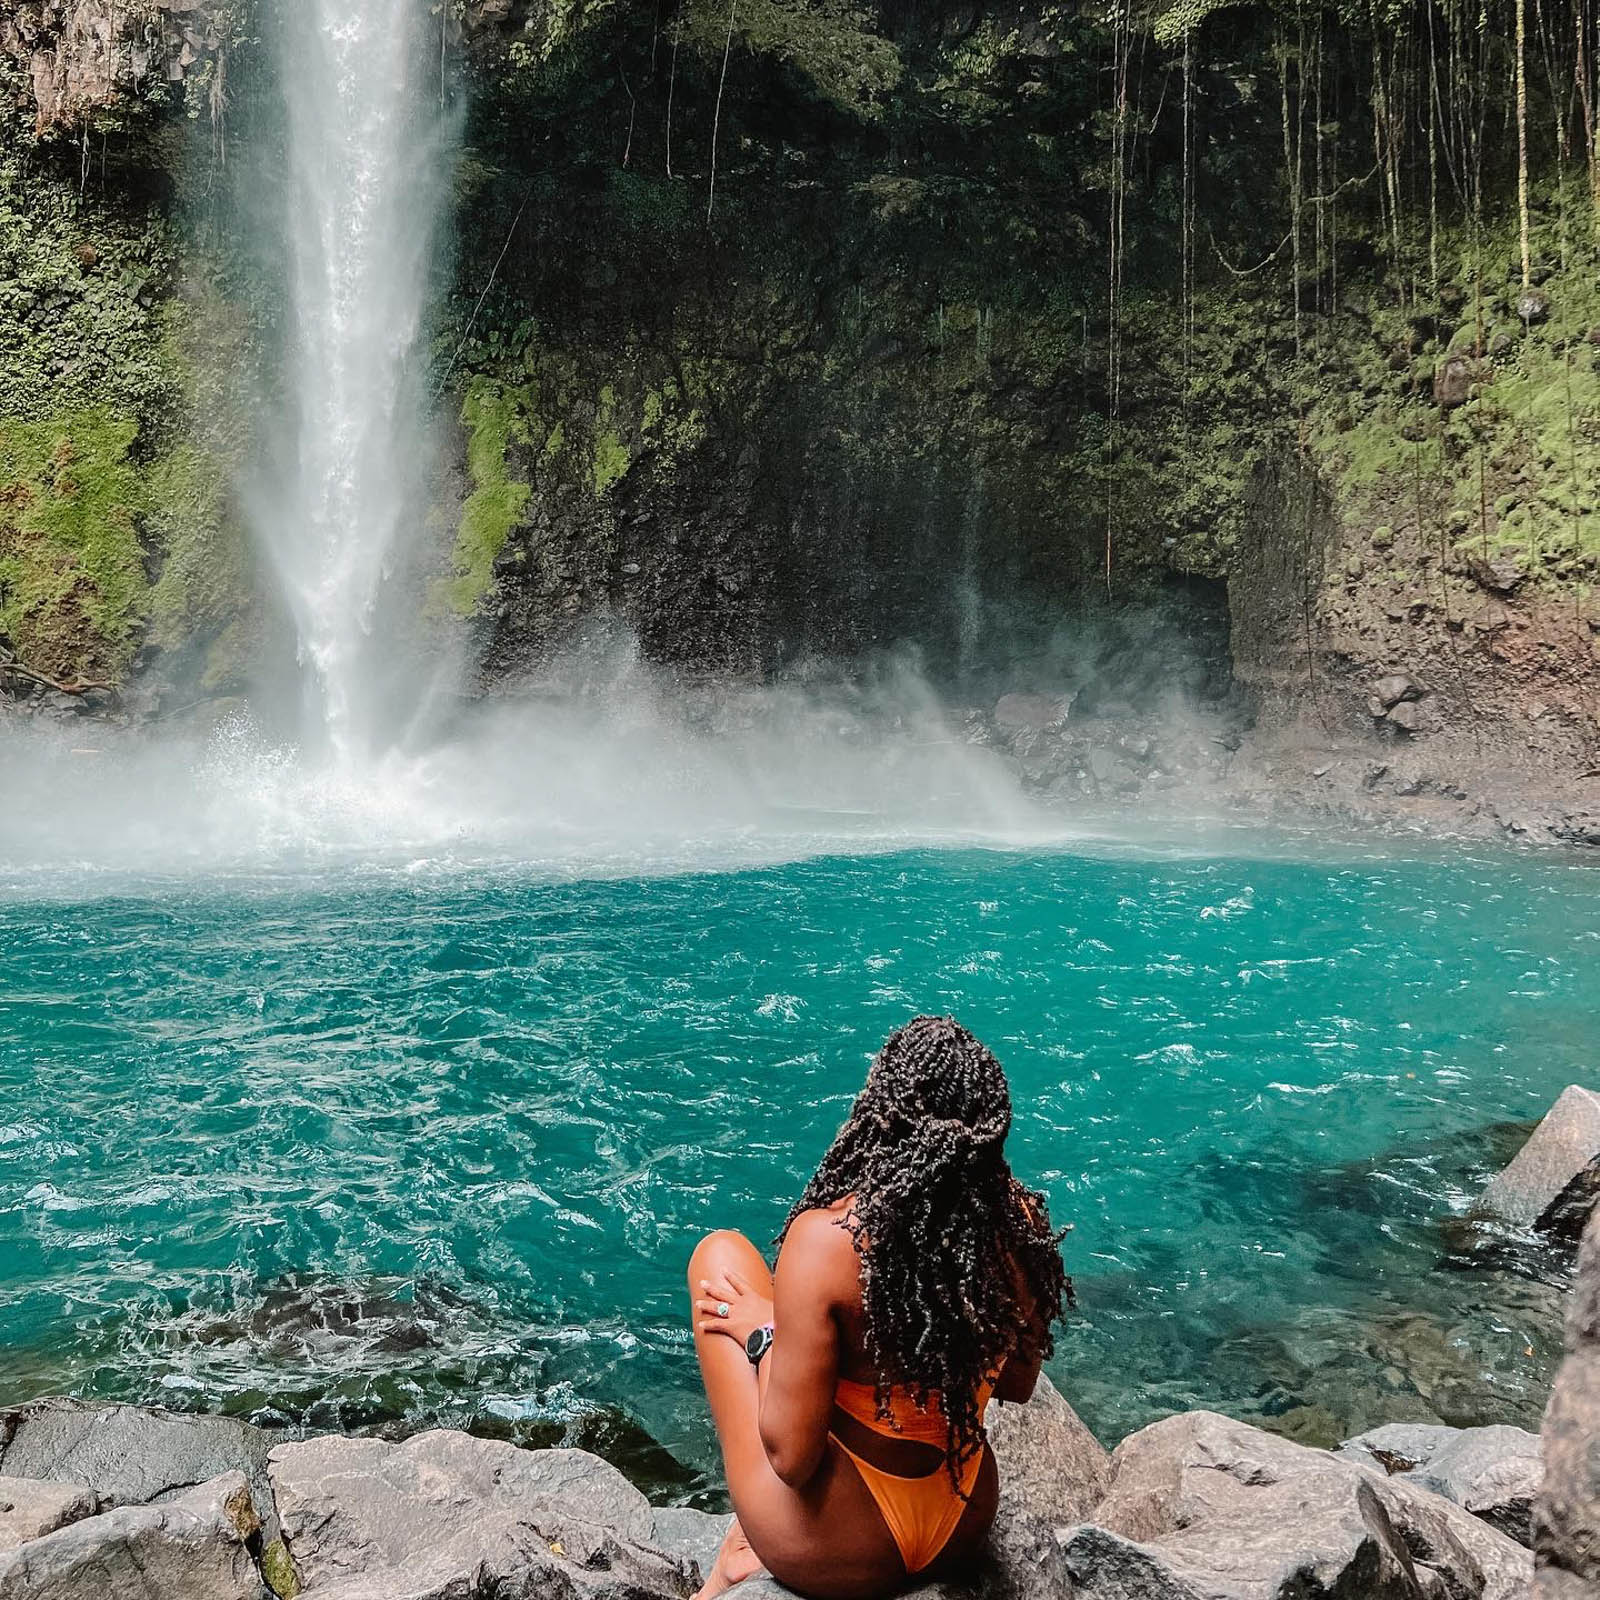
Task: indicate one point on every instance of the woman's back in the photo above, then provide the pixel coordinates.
(915, 1278)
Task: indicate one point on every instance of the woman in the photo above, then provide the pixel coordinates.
(916, 1279)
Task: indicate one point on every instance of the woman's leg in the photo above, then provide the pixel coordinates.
(825, 1539)
(735, 1562)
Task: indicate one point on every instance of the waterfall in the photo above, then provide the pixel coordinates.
(364, 162)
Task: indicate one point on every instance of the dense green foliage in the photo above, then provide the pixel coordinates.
(1051, 289)
(119, 439)
(1037, 291)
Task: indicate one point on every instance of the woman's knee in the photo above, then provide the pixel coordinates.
(720, 1250)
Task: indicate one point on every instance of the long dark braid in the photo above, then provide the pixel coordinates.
(945, 1233)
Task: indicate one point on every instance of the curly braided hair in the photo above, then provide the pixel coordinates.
(954, 1250)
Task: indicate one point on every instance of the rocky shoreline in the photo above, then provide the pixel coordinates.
(129, 1503)
(135, 1504)
(103, 1501)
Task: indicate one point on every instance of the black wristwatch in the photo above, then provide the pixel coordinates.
(758, 1343)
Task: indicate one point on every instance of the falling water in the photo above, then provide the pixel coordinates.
(364, 160)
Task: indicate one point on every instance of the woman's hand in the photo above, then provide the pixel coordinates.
(746, 1309)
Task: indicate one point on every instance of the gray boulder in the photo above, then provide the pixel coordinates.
(1298, 1539)
(1398, 1446)
(444, 1516)
(1202, 1506)
(30, 1507)
(1053, 1473)
(1395, 688)
(193, 1547)
(1034, 712)
(130, 1456)
(1556, 1155)
(1493, 1472)
(692, 1536)
(1566, 1516)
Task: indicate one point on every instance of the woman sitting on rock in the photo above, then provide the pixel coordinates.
(916, 1279)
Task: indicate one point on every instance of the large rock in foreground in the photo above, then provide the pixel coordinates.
(194, 1547)
(129, 1456)
(1205, 1508)
(445, 1516)
(1494, 1472)
(1053, 1473)
(30, 1508)
(1552, 1180)
(1566, 1516)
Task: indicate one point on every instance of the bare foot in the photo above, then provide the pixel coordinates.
(735, 1562)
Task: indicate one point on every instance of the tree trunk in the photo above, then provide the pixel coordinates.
(1522, 141)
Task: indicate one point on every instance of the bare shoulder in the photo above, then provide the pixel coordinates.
(822, 1231)
(820, 1247)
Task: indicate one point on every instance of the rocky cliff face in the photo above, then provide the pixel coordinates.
(84, 58)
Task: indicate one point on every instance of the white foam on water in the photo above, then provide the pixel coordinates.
(622, 783)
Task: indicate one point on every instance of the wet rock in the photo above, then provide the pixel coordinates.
(1564, 1144)
(445, 1514)
(1566, 1216)
(1452, 382)
(1111, 773)
(85, 56)
(194, 1547)
(1566, 1515)
(1408, 716)
(1579, 827)
(130, 1456)
(1533, 305)
(1201, 1505)
(30, 1507)
(1395, 687)
(1498, 574)
(1035, 712)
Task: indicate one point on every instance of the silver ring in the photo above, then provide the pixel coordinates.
(723, 1308)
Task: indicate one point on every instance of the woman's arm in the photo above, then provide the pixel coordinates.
(816, 1267)
(1020, 1374)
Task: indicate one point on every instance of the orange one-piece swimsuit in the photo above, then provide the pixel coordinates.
(920, 1513)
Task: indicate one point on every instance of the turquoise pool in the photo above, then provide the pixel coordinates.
(377, 1146)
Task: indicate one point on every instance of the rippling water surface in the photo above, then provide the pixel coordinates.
(382, 1146)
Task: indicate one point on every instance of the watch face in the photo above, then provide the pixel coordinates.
(756, 1343)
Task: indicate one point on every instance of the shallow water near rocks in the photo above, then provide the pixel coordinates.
(382, 1147)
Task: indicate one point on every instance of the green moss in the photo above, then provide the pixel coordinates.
(278, 1568)
(611, 461)
(496, 415)
(612, 458)
(72, 584)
